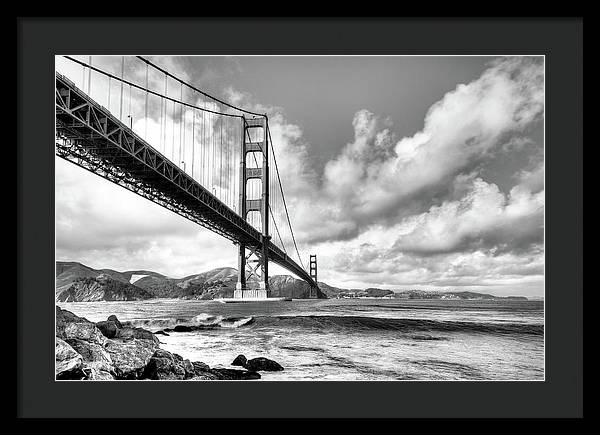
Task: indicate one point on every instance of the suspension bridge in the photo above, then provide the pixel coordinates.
(150, 132)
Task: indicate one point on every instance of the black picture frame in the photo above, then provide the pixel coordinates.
(560, 40)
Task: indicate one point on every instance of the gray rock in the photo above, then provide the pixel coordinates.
(95, 357)
(239, 360)
(83, 331)
(69, 363)
(113, 318)
(108, 328)
(257, 364)
(130, 357)
(65, 318)
(165, 365)
(98, 375)
(127, 333)
(200, 367)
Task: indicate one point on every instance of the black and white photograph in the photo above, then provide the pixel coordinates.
(299, 217)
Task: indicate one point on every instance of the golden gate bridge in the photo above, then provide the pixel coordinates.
(192, 153)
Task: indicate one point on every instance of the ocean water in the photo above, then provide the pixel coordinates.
(351, 339)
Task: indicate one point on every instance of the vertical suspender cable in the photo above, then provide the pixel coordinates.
(165, 118)
(173, 135)
(193, 139)
(183, 139)
(130, 117)
(228, 162)
(90, 76)
(121, 103)
(221, 161)
(203, 151)
(146, 108)
(180, 125)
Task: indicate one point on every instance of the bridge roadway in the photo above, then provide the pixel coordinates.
(88, 135)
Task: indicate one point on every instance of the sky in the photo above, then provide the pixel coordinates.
(399, 172)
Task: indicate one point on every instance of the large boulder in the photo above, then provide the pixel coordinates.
(65, 318)
(200, 367)
(114, 319)
(108, 328)
(128, 333)
(95, 357)
(68, 363)
(130, 357)
(165, 365)
(83, 331)
(239, 360)
(257, 364)
(98, 375)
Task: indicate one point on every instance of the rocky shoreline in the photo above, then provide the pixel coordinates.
(114, 350)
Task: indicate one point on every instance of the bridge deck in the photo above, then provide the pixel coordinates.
(91, 137)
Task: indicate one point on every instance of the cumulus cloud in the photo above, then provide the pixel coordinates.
(532, 177)
(484, 218)
(373, 178)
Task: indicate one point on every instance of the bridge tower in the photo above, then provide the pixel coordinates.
(253, 263)
(313, 275)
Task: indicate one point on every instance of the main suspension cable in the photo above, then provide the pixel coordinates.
(109, 75)
(283, 196)
(197, 90)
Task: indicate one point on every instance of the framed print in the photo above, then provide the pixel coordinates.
(309, 218)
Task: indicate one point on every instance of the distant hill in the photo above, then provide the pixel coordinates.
(330, 291)
(428, 294)
(101, 288)
(288, 286)
(68, 271)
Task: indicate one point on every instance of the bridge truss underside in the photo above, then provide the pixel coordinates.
(89, 136)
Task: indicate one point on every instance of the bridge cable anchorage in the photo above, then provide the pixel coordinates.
(283, 196)
(112, 76)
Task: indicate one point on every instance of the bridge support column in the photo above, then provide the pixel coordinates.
(253, 261)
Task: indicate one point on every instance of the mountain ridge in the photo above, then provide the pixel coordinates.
(220, 282)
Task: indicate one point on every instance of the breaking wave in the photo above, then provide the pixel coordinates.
(208, 321)
(402, 325)
(201, 321)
